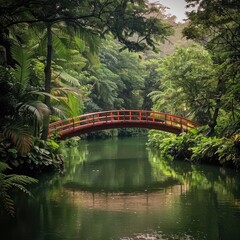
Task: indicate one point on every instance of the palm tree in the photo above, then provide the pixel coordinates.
(25, 111)
(131, 22)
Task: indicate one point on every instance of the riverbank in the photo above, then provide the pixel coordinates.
(195, 147)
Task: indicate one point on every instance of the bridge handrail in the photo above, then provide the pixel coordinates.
(124, 116)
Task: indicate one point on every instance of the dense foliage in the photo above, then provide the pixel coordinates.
(215, 24)
(55, 63)
(202, 82)
(187, 84)
(59, 59)
(9, 182)
(195, 147)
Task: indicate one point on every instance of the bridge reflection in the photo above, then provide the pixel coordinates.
(125, 202)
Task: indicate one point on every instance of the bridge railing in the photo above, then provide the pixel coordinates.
(121, 116)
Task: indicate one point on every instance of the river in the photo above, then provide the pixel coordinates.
(117, 189)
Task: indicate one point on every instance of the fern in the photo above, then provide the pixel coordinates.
(60, 47)
(6, 202)
(81, 45)
(73, 106)
(22, 69)
(8, 182)
(70, 79)
(91, 39)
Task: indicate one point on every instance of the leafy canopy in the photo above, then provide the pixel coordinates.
(187, 83)
(130, 21)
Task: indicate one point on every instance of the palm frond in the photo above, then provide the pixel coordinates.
(61, 92)
(3, 167)
(40, 94)
(69, 79)
(36, 109)
(22, 70)
(6, 202)
(7, 182)
(81, 45)
(20, 136)
(60, 47)
(91, 39)
(58, 112)
(73, 106)
(155, 95)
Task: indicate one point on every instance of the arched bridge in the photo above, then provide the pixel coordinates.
(120, 119)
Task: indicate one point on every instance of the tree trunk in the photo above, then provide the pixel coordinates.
(218, 102)
(48, 75)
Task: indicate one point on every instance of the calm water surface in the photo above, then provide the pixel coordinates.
(116, 189)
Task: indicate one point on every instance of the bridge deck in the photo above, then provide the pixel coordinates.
(119, 119)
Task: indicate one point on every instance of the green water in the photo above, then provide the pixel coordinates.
(116, 189)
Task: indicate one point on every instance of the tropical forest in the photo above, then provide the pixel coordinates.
(118, 120)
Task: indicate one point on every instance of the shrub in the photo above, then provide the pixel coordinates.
(195, 146)
(43, 156)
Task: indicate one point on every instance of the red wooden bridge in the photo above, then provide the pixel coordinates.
(120, 119)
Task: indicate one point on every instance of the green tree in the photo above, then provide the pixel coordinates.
(129, 22)
(104, 89)
(129, 68)
(117, 81)
(151, 80)
(215, 24)
(187, 84)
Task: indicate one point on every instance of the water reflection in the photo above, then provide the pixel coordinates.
(115, 189)
(223, 182)
(177, 195)
(135, 202)
(120, 167)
